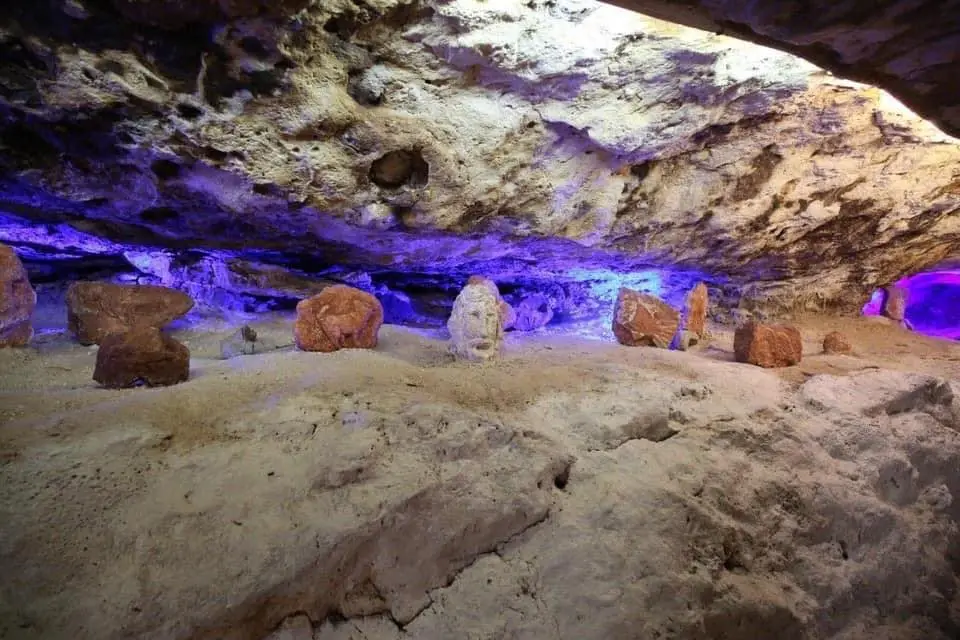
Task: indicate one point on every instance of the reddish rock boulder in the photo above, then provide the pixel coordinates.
(895, 303)
(142, 354)
(17, 300)
(97, 309)
(768, 345)
(339, 317)
(695, 314)
(836, 342)
(640, 319)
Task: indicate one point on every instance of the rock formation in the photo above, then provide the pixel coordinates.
(836, 342)
(476, 324)
(97, 309)
(895, 303)
(459, 137)
(640, 319)
(340, 317)
(767, 345)
(141, 354)
(695, 311)
(17, 300)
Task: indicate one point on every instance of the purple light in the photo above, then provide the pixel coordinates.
(933, 303)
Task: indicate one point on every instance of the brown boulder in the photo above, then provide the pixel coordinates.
(895, 303)
(17, 300)
(695, 314)
(768, 345)
(142, 354)
(97, 309)
(836, 342)
(339, 317)
(640, 319)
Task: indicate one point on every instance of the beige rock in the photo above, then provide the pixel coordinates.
(340, 317)
(640, 319)
(97, 309)
(17, 300)
(475, 324)
(895, 303)
(767, 345)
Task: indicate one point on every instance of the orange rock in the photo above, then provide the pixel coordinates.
(640, 319)
(17, 300)
(836, 342)
(339, 317)
(141, 354)
(695, 315)
(895, 303)
(97, 309)
(768, 345)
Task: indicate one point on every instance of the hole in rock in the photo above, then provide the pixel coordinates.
(932, 303)
(398, 168)
(165, 169)
(159, 215)
(254, 47)
(561, 480)
(189, 111)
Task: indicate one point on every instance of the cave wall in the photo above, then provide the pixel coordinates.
(459, 137)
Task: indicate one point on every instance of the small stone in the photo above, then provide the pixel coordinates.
(242, 342)
(339, 317)
(836, 342)
(533, 312)
(17, 300)
(895, 303)
(767, 345)
(142, 354)
(97, 309)
(640, 319)
(475, 325)
(688, 340)
(695, 314)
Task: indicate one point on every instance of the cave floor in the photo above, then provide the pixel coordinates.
(576, 489)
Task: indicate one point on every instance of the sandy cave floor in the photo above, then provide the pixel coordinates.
(577, 489)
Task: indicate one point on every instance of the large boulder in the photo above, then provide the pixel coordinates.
(768, 345)
(476, 322)
(97, 309)
(17, 300)
(142, 354)
(640, 319)
(339, 317)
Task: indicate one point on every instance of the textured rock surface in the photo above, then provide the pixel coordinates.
(640, 319)
(509, 139)
(17, 300)
(695, 310)
(836, 342)
(908, 46)
(340, 317)
(476, 324)
(142, 354)
(395, 494)
(767, 345)
(97, 309)
(895, 303)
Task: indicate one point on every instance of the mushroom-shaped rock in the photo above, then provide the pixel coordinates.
(640, 319)
(339, 317)
(97, 309)
(836, 342)
(695, 313)
(476, 324)
(17, 300)
(141, 354)
(768, 345)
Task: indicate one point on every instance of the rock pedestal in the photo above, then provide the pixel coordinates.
(476, 323)
(97, 309)
(767, 345)
(640, 319)
(17, 300)
(339, 317)
(142, 354)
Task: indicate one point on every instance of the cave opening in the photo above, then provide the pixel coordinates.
(930, 303)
